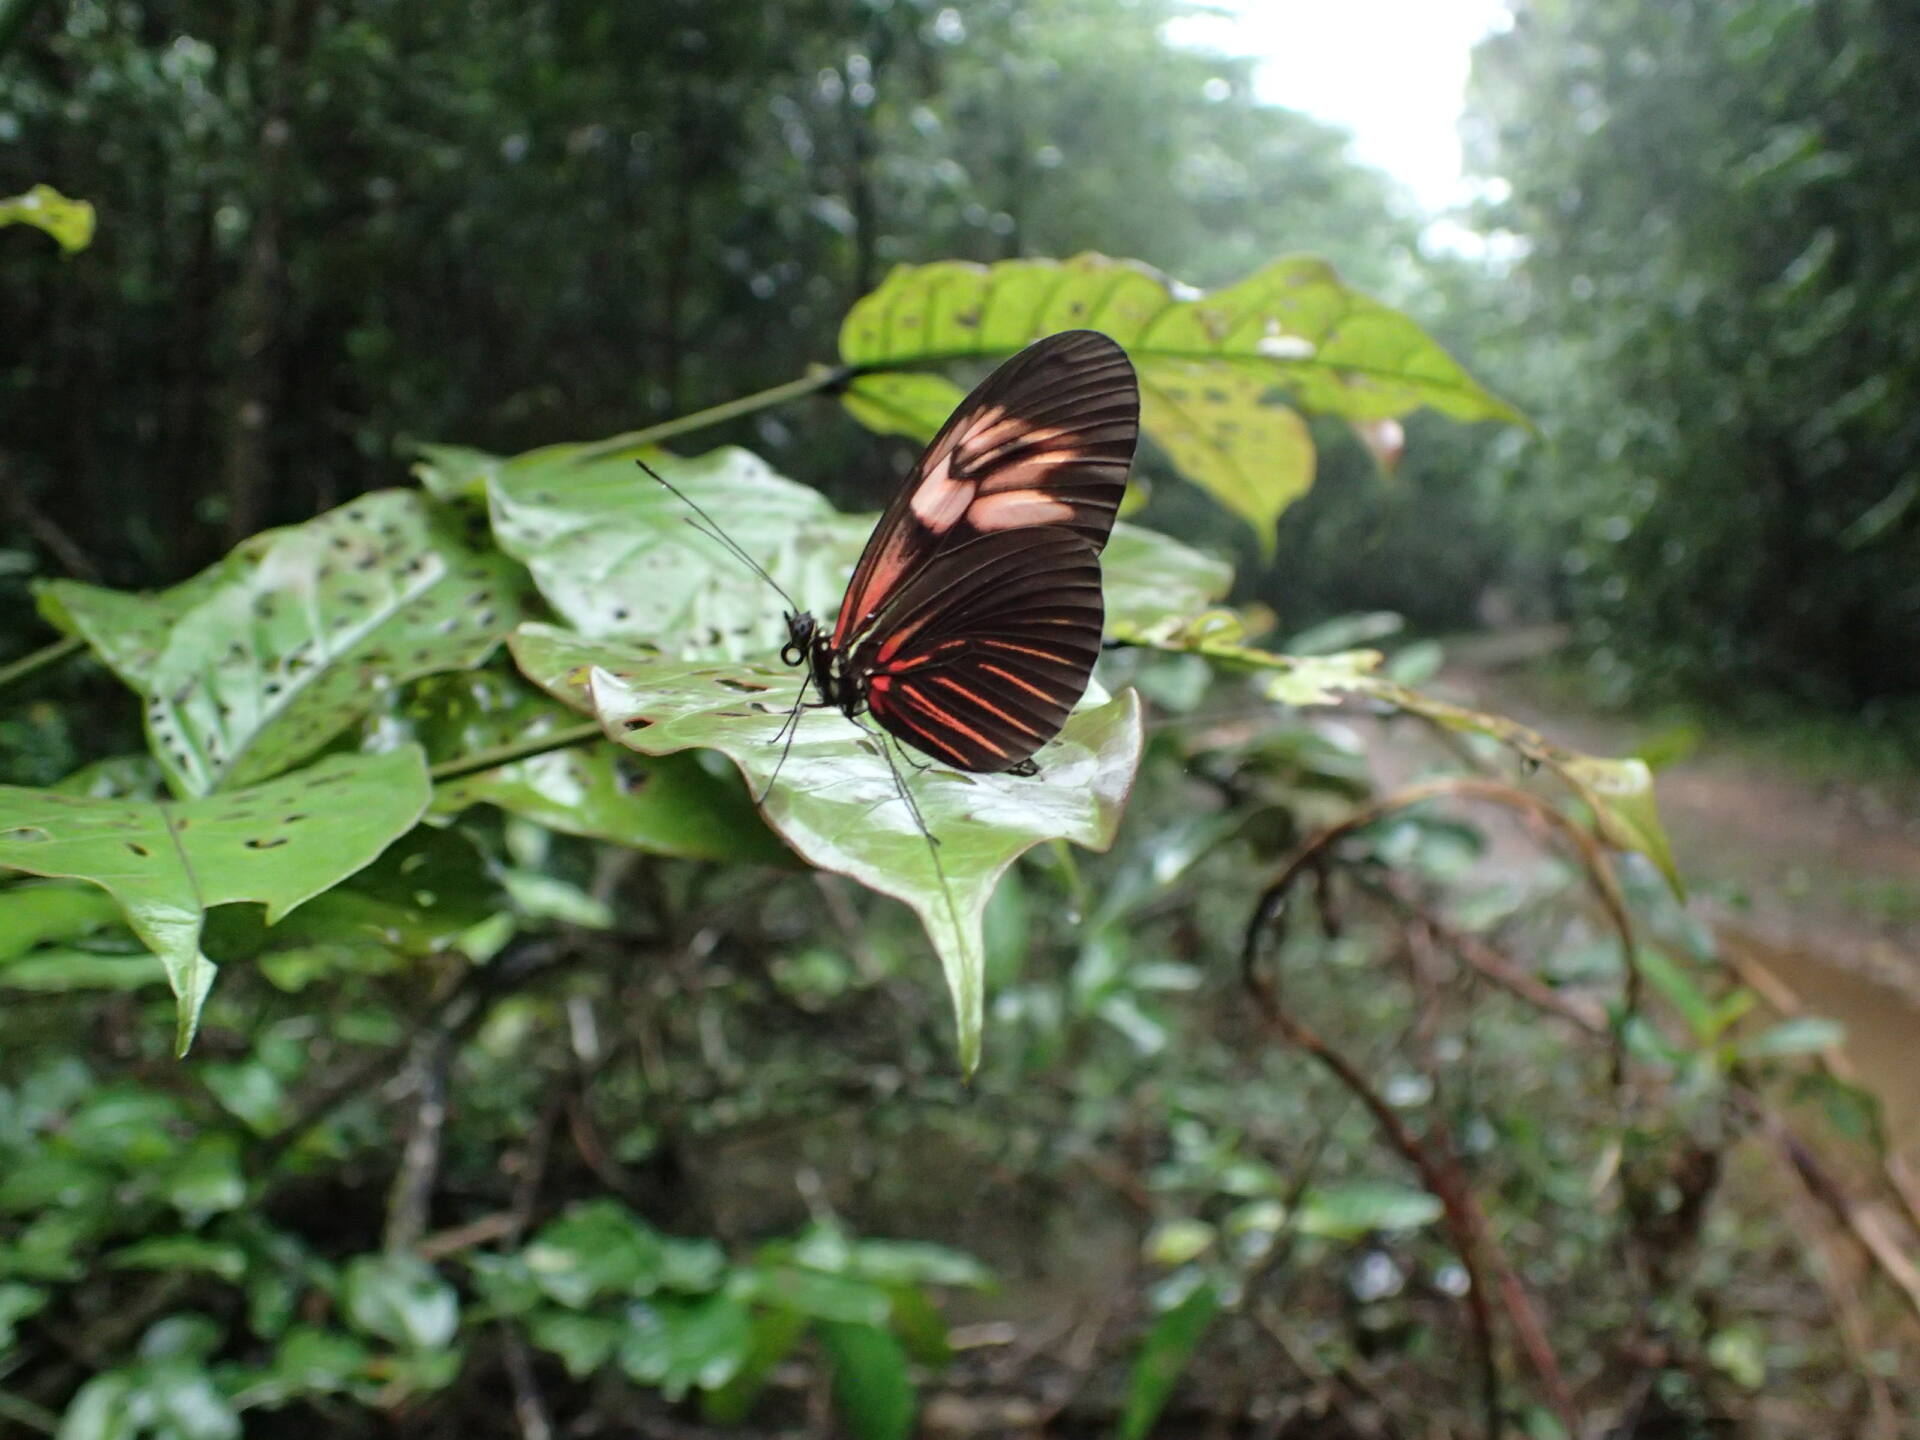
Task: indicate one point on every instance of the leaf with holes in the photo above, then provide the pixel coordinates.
(69, 222)
(613, 553)
(257, 663)
(616, 556)
(837, 804)
(1217, 372)
(166, 863)
(665, 805)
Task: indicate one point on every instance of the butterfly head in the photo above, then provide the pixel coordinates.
(801, 629)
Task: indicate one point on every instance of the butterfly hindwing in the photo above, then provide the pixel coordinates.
(1044, 441)
(979, 657)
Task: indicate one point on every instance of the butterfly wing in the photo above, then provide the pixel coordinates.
(979, 657)
(1046, 440)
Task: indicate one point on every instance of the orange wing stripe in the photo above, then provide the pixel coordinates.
(1012, 720)
(944, 718)
(1013, 679)
(1026, 650)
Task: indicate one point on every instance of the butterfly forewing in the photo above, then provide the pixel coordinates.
(1044, 441)
(979, 656)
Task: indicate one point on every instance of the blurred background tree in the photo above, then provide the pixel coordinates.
(1713, 216)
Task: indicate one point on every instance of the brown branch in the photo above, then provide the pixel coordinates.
(411, 1194)
(1785, 1001)
(1865, 1224)
(1272, 904)
(1461, 1221)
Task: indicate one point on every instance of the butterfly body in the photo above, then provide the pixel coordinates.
(972, 622)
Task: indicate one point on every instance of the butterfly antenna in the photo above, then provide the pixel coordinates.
(712, 528)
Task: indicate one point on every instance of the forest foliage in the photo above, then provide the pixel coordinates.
(411, 1000)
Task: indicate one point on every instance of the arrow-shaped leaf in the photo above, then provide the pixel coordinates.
(166, 863)
(837, 802)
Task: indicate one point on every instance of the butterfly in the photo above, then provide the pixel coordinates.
(972, 622)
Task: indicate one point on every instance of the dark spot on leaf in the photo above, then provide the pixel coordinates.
(356, 513)
(353, 597)
(620, 612)
(638, 722)
(25, 834)
(744, 687)
(266, 844)
(291, 819)
(139, 850)
(340, 542)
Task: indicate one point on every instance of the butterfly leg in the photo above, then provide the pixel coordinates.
(790, 727)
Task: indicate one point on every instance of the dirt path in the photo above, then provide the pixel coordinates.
(1818, 881)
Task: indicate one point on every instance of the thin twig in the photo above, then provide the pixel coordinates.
(499, 755)
(410, 1196)
(826, 378)
(39, 659)
(24, 1412)
(1272, 902)
(1866, 1225)
(37, 523)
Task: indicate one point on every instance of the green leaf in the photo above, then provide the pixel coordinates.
(1678, 989)
(17, 1302)
(596, 1248)
(837, 805)
(1802, 1035)
(207, 1179)
(454, 472)
(99, 1410)
(583, 1342)
(35, 914)
(253, 665)
(183, 1253)
(61, 969)
(614, 554)
(844, 1298)
(775, 1333)
(871, 1387)
(679, 1345)
(1163, 1358)
(669, 805)
(1216, 371)
(166, 863)
(1620, 793)
(1360, 1207)
(312, 1361)
(902, 402)
(69, 222)
(400, 1299)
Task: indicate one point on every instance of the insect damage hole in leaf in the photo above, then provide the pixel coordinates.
(192, 855)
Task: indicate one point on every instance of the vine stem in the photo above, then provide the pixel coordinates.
(824, 378)
(39, 659)
(499, 755)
